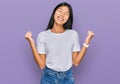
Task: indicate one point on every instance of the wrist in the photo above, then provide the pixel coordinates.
(85, 45)
(31, 39)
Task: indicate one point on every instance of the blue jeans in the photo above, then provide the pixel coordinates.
(53, 77)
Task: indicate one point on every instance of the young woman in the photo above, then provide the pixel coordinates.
(58, 47)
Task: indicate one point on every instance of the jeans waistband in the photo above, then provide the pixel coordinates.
(58, 72)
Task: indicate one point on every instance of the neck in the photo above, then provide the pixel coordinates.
(58, 28)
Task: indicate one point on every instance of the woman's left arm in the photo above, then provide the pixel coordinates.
(78, 56)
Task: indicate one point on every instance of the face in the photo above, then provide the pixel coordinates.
(61, 15)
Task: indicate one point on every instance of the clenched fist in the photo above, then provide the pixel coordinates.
(28, 35)
(89, 37)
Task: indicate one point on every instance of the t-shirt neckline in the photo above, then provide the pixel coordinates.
(57, 33)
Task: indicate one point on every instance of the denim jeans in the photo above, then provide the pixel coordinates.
(53, 77)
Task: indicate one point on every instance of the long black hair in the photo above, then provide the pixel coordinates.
(68, 24)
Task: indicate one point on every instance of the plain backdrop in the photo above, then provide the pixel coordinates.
(101, 63)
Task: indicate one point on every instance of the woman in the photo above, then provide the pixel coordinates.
(58, 47)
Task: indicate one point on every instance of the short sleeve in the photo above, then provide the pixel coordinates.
(40, 44)
(76, 43)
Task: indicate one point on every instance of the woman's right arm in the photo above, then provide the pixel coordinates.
(39, 58)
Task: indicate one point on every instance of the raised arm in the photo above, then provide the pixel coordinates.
(40, 59)
(78, 56)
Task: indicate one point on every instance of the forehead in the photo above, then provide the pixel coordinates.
(64, 8)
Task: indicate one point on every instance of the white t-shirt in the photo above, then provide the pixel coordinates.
(58, 48)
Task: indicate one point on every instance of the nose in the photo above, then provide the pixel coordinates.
(62, 14)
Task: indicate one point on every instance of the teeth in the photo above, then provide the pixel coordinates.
(61, 19)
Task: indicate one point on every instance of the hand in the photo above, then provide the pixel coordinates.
(28, 35)
(89, 37)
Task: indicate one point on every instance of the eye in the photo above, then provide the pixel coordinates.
(66, 13)
(59, 10)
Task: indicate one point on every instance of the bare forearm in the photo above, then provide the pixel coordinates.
(80, 55)
(36, 56)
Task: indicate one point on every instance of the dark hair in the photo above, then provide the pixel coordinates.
(68, 24)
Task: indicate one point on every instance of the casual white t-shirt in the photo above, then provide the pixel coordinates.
(58, 48)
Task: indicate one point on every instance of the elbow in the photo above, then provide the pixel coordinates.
(42, 66)
(76, 64)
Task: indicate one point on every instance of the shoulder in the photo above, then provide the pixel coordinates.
(73, 31)
(42, 33)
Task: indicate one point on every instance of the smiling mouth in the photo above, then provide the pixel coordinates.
(60, 18)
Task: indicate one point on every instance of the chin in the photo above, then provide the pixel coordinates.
(60, 23)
